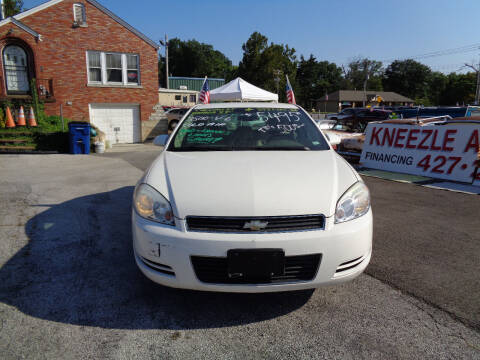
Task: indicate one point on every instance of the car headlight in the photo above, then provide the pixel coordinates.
(354, 203)
(151, 205)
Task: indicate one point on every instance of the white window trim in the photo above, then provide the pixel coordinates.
(83, 20)
(138, 69)
(123, 65)
(88, 68)
(103, 64)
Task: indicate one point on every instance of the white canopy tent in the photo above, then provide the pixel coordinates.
(240, 90)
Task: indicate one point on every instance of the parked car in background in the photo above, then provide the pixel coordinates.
(250, 197)
(174, 115)
(356, 119)
(347, 134)
(326, 124)
(426, 112)
(342, 114)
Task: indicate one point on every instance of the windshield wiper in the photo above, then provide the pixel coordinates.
(257, 148)
(201, 148)
(280, 148)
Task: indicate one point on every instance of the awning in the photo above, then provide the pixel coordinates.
(240, 90)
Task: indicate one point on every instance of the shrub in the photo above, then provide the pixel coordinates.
(2, 119)
(53, 123)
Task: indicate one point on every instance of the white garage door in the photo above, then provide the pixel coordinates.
(120, 122)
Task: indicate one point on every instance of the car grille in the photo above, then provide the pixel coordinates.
(249, 224)
(214, 270)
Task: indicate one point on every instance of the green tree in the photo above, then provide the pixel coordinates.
(251, 60)
(360, 70)
(409, 78)
(12, 7)
(437, 84)
(459, 89)
(262, 64)
(233, 74)
(315, 79)
(192, 58)
(161, 71)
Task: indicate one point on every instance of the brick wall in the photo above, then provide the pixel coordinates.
(61, 55)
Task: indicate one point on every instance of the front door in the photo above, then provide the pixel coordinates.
(15, 62)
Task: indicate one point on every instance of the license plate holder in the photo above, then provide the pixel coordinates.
(255, 263)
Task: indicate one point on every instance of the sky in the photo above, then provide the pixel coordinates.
(333, 30)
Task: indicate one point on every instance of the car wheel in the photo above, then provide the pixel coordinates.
(172, 125)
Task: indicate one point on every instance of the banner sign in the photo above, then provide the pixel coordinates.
(439, 151)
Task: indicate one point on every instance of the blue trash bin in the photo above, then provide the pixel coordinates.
(79, 136)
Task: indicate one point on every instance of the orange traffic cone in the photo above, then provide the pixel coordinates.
(10, 123)
(21, 117)
(31, 118)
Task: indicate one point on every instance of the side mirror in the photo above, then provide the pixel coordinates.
(160, 140)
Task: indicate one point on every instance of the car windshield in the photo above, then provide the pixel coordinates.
(227, 129)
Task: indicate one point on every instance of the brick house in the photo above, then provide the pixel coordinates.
(85, 59)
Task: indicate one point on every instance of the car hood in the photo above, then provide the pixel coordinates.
(251, 183)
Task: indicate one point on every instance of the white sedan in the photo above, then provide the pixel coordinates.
(250, 197)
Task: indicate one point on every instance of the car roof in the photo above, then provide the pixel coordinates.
(177, 109)
(369, 109)
(246, 105)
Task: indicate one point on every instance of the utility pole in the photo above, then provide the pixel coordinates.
(365, 90)
(165, 44)
(276, 78)
(367, 76)
(477, 97)
(477, 91)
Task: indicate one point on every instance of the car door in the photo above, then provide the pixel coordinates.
(361, 120)
(346, 114)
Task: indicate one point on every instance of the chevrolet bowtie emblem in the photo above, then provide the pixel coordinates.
(255, 225)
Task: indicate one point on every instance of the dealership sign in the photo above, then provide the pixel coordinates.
(438, 151)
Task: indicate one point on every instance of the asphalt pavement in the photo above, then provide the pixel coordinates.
(69, 287)
(427, 243)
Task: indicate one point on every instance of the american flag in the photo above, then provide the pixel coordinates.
(290, 94)
(204, 96)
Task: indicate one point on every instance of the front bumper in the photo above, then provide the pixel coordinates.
(163, 253)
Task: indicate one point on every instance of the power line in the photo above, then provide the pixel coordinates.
(458, 50)
(432, 54)
(448, 67)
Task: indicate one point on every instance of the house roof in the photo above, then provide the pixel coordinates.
(356, 95)
(94, 3)
(23, 26)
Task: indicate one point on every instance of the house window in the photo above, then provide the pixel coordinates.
(193, 98)
(185, 99)
(16, 69)
(79, 16)
(94, 67)
(113, 68)
(132, 69)
(178, 97)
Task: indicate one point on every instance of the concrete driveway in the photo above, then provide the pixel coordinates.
(69, 287)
